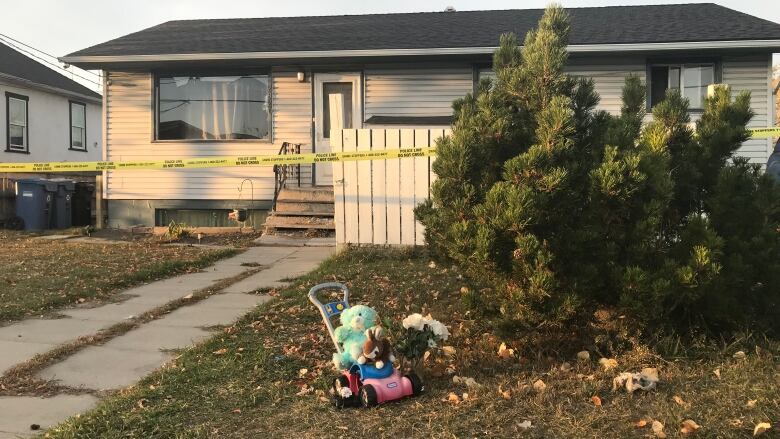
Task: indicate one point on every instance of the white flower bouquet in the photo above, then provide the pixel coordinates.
(420, 334)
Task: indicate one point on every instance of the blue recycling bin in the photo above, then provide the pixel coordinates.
(36, 203)
(63, 211)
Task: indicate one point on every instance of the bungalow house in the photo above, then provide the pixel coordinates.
(245, 86)
(44, 117)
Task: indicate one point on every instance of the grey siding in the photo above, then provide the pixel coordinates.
(415, 92)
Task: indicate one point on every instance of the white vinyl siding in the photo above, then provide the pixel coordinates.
(741, 73)
(753, 74)
(609, 77)
(129, 137)
(415, 92)
(291, 108)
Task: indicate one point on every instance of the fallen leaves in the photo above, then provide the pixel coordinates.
(596, 400)
(467, 381)
(525, 425)
(583, 356)
(689, 427)
(453, 398)
(658, 429)
(761, 428)
(505, 353)
(751, 403)
(679, 401)
(506, 394)
(716, 372)
(539, 386)
(739, 355)
(448, 351)
(608, 363)
(222, 351)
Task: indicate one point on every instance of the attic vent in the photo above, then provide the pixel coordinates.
(449, 9)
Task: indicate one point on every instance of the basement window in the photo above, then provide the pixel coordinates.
(691, 80)
(213, 108)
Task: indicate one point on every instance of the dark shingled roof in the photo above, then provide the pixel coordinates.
(16, 64)
(598, 25)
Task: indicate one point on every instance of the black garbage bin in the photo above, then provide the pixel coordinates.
(36, 203)
(82, 204)
(63, 204)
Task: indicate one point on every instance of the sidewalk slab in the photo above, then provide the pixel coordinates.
(54, 331)
(112, 312)
(18, 413)
(104, 367)
(155, 336)
(13, 353)
(202, 315)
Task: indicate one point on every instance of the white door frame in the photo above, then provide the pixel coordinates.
(320, 143)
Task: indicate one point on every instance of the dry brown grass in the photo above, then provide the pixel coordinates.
(38, 276)
(248, 381)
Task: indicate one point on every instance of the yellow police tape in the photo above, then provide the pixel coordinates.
(764, 133)
(258, 160)
(220, 162)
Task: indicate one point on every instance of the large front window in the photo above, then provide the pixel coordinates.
(213, 107)
(691, 80)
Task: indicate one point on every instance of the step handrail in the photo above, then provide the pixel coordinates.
(283, 171)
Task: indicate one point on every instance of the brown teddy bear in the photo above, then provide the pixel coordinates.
(376, 349)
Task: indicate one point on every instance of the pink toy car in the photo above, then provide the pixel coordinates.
(362, 384)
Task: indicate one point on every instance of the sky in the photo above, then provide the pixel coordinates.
(60, 27)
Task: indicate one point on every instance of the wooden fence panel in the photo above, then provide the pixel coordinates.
(375, 199)
(351, 193)
(393, 194)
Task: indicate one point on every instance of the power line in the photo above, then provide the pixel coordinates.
(49, 62)
(41, 51)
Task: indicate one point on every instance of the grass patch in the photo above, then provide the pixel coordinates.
(248, 381)
(38, 276)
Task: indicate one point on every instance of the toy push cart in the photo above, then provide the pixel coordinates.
(362, 384)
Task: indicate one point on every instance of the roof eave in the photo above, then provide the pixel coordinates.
(575, 48)
(51, 89)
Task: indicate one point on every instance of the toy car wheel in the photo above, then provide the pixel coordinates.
(368, 396)
(417, 384)
(339, 401)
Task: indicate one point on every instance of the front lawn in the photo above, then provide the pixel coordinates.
(38, 276)
(267, 376)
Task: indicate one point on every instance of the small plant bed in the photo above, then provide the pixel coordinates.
(40, 276)
(269, 374)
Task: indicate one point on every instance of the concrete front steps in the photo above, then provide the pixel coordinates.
(302, 208)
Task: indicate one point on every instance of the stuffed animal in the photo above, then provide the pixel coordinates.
(351, 334)
(376, 349)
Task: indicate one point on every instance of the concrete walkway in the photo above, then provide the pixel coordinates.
(125, 359)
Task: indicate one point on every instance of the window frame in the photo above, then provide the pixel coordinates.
(70, 124)
(683, 64)
(201, 73)
(26, 100)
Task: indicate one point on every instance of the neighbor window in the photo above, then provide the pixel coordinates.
(78, 126)
(16, 123)
(691, 80)
(213, 107)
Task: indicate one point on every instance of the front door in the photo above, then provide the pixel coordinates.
(337, 104)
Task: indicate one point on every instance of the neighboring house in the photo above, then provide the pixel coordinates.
(245, 86)
(46, 117)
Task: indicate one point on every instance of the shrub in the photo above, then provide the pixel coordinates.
(561, 207)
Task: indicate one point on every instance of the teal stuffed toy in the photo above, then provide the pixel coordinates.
(351, 335)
